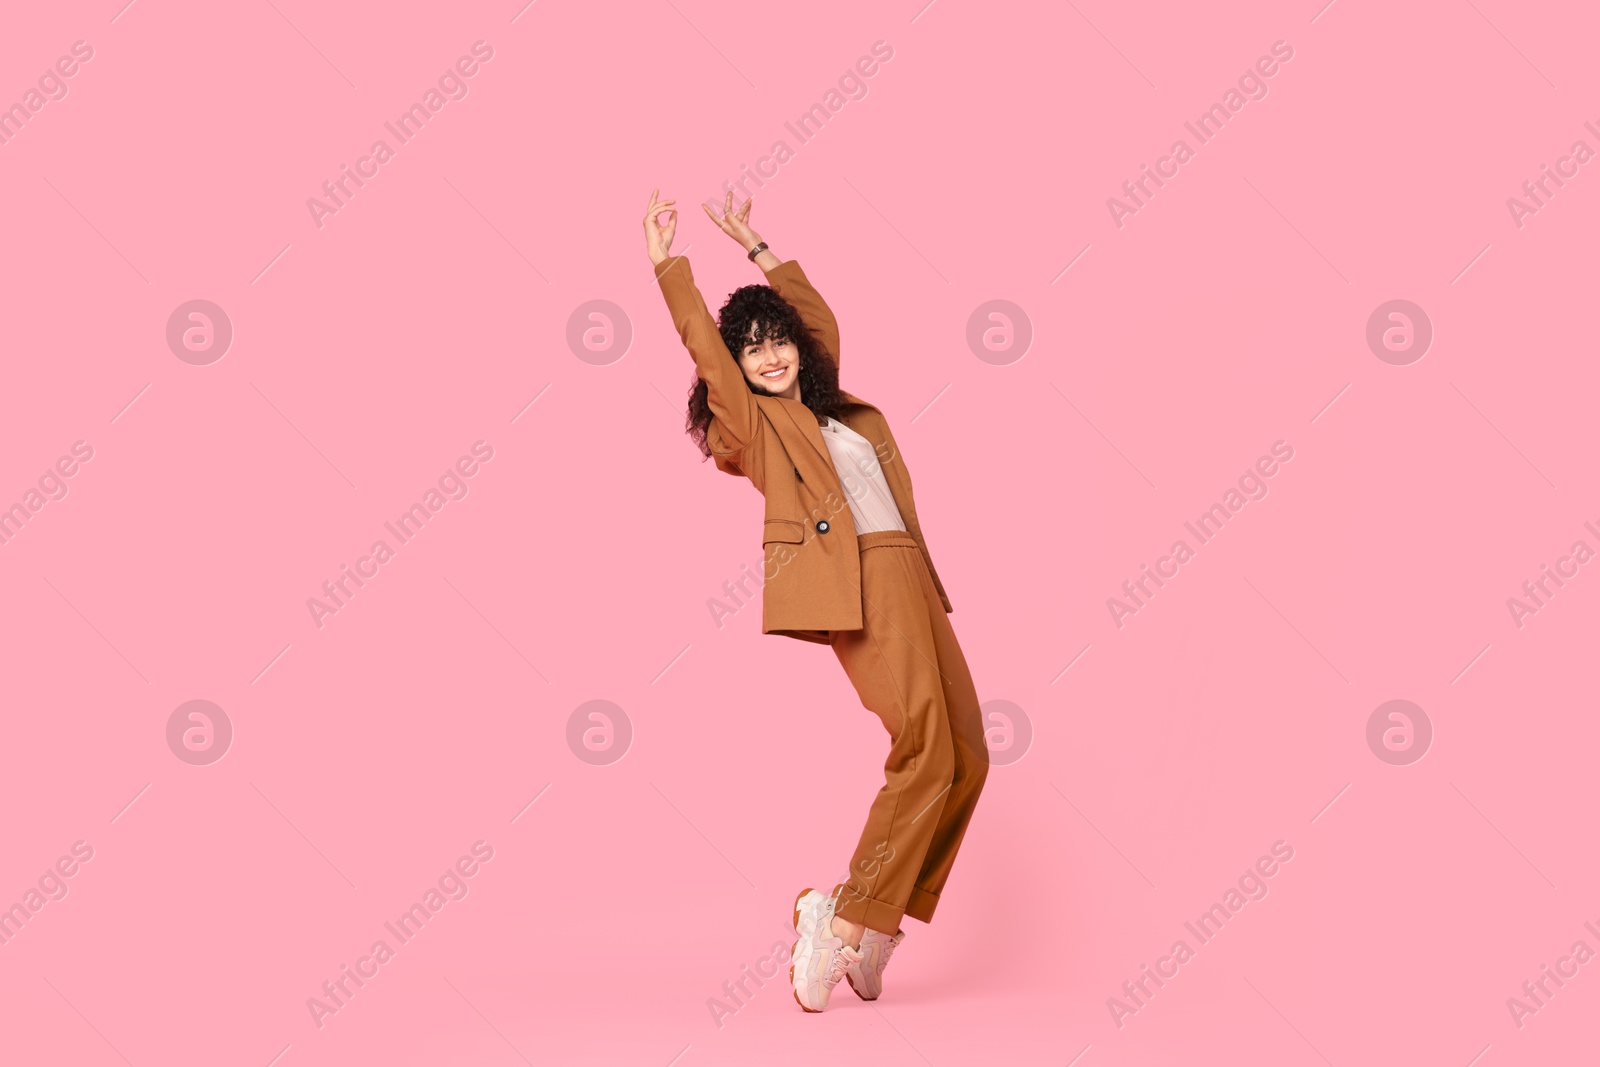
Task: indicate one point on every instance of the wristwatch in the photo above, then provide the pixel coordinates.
(757, 250)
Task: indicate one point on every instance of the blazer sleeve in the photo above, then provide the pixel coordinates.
(732, 403)
(793, 285)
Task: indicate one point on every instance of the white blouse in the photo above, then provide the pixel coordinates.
(856, 462)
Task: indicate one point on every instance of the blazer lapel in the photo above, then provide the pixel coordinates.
(806, 423)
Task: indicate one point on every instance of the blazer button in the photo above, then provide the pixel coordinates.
(822, 527)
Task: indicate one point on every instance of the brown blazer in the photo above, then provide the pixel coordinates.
(812, 577)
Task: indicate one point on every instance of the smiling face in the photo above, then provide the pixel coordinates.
(772, 365)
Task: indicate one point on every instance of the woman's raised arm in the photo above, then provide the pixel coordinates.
(728, 394)
(787, 278)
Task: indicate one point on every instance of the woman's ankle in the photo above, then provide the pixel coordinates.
(848, 932)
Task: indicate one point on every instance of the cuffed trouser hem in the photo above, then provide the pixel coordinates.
(921, 905)
(884, 917)
(874, 914)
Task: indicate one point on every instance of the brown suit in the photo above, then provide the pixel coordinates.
(874, 597)
(813, 569)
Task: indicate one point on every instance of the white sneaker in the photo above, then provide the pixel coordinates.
(866, 974)
(819, 958)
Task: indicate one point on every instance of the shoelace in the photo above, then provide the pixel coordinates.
(837, 968)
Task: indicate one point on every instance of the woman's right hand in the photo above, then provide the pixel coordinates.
(735, 224)
(658, 238)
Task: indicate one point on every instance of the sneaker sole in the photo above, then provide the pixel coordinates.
(795, 922)
(794, 948)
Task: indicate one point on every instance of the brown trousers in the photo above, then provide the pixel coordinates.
(909, 671)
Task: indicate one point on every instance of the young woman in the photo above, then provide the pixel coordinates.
(845, 565)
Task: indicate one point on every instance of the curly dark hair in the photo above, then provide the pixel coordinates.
(774, 317)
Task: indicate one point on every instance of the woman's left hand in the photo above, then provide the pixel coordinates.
(736, 224)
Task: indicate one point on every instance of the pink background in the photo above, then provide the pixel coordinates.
(369, 354)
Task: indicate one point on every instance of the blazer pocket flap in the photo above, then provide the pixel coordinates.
(784, 530)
